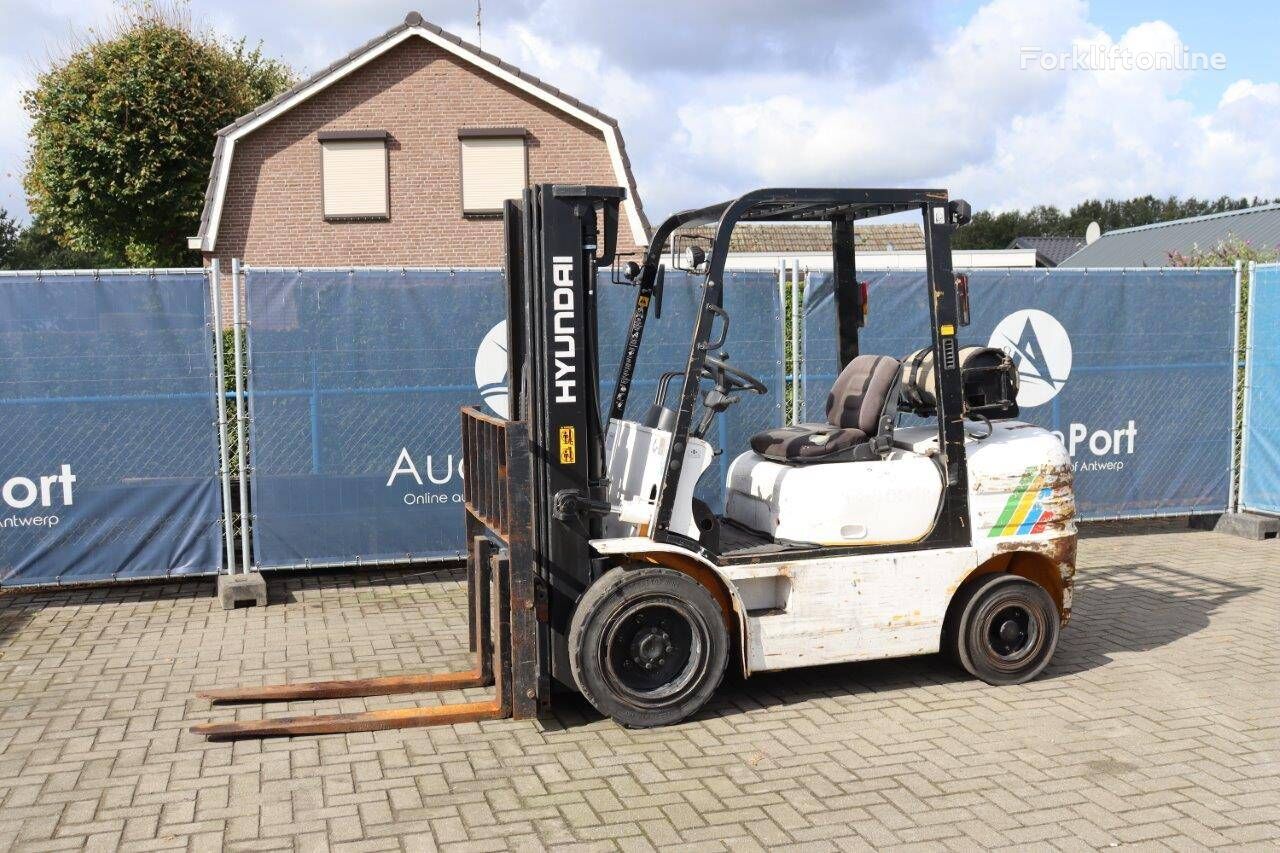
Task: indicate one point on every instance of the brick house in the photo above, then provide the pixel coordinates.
(400, 154)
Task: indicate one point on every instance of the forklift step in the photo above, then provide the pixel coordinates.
(348, 689)
(367, 721)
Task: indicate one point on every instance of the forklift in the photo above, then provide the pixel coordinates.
(920, 516)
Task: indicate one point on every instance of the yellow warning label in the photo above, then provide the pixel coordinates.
(948, 329)
(568, 445)
(643, 301)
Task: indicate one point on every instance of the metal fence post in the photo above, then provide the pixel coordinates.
(241, 416)
(224, 458)
(1233, 501)
(784, 317)
(1248, 384)
(795, 341)
(802, 363)
(315, 415)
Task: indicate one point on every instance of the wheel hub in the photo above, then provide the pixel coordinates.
(651, 649)
(1010, 631)
(650, 646)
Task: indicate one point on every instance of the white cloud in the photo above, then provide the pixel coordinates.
(972, 120)
(1120, 133)
(13, 137)
(724, 95)
(34, 31)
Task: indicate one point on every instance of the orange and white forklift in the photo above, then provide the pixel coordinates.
(595, 570)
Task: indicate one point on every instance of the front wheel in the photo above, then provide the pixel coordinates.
(647, 646)
(1005, 629)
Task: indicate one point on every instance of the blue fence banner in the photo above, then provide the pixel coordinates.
(357, 376)
(109, 464)
(1132, 368)
(1260, 454)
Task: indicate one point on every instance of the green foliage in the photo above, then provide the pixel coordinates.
(9, 231)
(1224, 254)
(122, 131)
(997, 230)
(233, 413)
(34, 248)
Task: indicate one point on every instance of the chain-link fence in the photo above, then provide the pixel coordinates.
(355, 382)
(333, 401)
(1260, 455)
(1134, 368)
(109, 463)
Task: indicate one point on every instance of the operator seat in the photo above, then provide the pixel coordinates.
(861, 410)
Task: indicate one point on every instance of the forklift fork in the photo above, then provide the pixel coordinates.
(490, 610)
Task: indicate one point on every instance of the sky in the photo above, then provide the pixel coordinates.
(1006, 103)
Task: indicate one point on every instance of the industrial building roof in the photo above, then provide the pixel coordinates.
(1151, 245)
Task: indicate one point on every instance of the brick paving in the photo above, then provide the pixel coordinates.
(1155, 727)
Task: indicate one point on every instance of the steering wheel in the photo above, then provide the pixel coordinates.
(729, 378)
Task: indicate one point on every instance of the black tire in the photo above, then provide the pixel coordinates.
(1003, 629)
(647, 646)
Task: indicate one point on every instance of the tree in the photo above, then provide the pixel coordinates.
(997, 230)
(9, 231)
(34, 248)
(122, 131)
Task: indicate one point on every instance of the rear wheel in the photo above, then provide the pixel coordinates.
(648, 646)
(1004, 629)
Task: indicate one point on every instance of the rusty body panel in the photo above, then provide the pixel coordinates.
(1055, 475)
(1024, 511)
(1050, 563)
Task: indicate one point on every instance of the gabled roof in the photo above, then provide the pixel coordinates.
(413, 26)
(1150, 245)
(780, 239)
(1051, 250)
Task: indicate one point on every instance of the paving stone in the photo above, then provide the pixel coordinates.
(1154, 727)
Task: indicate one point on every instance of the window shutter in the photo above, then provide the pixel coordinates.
(355, 177)
(493, 170)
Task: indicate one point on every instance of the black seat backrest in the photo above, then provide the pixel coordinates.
(862, 394)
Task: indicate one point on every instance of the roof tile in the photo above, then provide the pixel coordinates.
(776, 239)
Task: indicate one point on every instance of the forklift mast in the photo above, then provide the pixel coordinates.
(557, 238)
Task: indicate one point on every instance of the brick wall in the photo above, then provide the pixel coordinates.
(422, 96)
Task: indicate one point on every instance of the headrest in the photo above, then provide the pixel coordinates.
(861, 392)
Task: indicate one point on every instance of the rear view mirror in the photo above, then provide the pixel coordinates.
(658, 282)
(962, 299)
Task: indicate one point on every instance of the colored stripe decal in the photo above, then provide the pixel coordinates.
(1045, 517)
(1024, 513)
(1027, 501)
(1007, 514)
(1034, 514)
